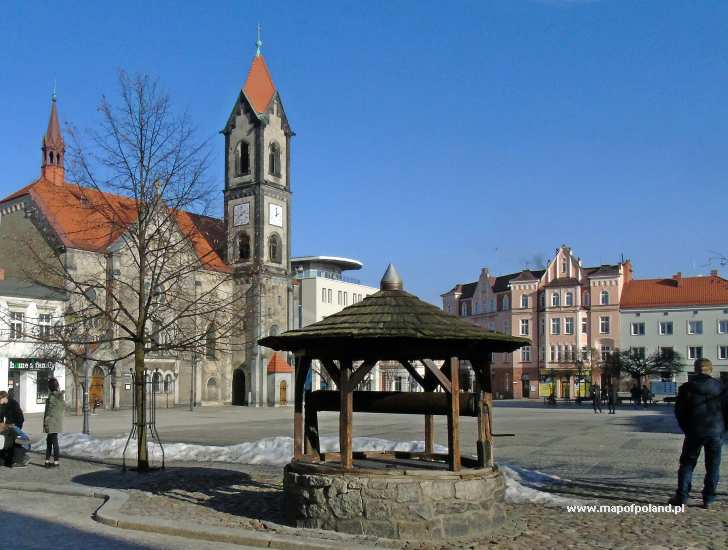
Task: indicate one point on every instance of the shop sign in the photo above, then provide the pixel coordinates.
(31, 364)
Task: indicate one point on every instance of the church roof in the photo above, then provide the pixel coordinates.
(53, 135)
(88, 219)
(278, 365)
(259, 87)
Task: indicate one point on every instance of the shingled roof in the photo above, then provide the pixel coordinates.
(394, 323)
(259, 87)
(87, 219)
(677, 291)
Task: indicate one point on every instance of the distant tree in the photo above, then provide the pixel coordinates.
(639, 365)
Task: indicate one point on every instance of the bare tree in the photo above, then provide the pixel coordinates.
(156, 284)
(639, 365)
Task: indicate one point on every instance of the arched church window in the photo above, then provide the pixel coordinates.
(274, 160)
(274, 249)
(243, 246)
(242, 158)
(50, 157)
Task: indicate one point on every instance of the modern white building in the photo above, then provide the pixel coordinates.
(26, 312)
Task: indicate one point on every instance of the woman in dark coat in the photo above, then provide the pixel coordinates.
(53, 421)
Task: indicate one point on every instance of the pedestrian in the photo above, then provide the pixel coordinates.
(611, 398)
(645, 395)
(53, 421)
(636, 396)
(596, 396)
(10, 411)
(701, 410)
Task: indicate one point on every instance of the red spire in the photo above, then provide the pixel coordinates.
(259, 87)
(53, 148)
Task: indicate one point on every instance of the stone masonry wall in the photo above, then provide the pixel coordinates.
(416, 505)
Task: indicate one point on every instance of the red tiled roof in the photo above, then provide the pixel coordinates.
(259, 87)
(677, 291)
(88, 219)
(278, 365)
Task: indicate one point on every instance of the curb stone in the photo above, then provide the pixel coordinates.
(109, 513)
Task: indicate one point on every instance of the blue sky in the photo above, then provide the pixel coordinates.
(443, 137)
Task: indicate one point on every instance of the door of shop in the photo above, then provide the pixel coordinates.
(14, 384)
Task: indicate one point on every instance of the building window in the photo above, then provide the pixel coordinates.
(584, 325)
(722, 352)
(526, 353)
(604, 352)
(242, 159)
(638, 329)
(542, 326)
(558, 353)
(524, 300)
(555, 299)
(695, 327)
(524, 327)
(210, 342)
(569, 325)
(506, 303)
(638, 352)
(604, 325)
(44, 325)
(665, 328)
(569, 298)
(564, 266)
(695, 352)
(323, 295)
(274, 160)
(556, 326)
(243, 246)
(604, 298)
(274, 249)
(542, 300)
(506, 327)
(723, 326)
(553, 353)
(346, 298)
(338, 298)
(331, 295)
(16, 325)
(665, 351)
(587, 298)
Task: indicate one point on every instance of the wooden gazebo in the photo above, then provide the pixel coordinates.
(394, 325)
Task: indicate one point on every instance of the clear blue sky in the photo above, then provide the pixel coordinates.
(441, 136)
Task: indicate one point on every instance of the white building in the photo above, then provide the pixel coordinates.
(27, 311)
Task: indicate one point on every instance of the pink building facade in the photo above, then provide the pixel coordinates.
(570, 313)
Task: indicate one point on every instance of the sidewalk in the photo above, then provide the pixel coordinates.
(242, 504)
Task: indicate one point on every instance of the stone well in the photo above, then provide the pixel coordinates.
(394, 501)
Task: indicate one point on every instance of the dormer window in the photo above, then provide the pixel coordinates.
(274, 160)
(242, 159)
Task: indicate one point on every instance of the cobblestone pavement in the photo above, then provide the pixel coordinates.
(618, 460)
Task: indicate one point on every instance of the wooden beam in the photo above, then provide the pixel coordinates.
(413, 372)
(303, 365)
(437, 373)
(312, 447)
(393, 402)
(333, 371)
(482, 368)
(358, 375)
(453, 417)
(346, 416)
(429, 434)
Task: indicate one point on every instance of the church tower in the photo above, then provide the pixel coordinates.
(53, 148)
(257, 220)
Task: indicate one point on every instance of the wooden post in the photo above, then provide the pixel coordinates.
(345, 416)
(485, 413)
(429, 386)
(311, 445)
(301, 371)
(453, 417)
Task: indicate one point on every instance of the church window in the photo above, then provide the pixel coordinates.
(50, 157)
(243, 246)
(274, 249)
(242, 159)
(274, 160)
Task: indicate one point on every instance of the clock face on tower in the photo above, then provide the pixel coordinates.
(275, 215)
(241, 214)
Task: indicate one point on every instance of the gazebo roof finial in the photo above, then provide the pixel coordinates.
(391, 279)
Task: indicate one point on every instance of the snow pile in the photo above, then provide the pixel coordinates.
(522, 485)
(271, 450)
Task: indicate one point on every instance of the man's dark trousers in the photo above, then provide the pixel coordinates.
(689, 458)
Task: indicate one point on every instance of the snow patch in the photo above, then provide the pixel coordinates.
(522, 485)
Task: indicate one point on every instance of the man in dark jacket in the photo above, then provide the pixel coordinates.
(10, 411)
(701, 410)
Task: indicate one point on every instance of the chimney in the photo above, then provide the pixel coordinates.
(713, 272)
(2, 274)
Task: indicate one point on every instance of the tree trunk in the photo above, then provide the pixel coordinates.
(141, 409)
